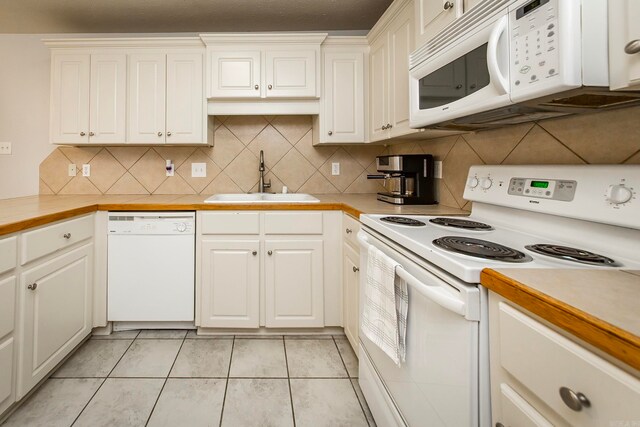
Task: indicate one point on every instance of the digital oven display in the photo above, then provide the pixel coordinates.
(531, 6)
(540, 184)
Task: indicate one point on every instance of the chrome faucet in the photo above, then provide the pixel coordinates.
(262, 185)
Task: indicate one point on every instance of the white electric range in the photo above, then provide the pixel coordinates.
(582, 216)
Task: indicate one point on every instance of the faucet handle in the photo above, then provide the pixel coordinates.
(267, 184)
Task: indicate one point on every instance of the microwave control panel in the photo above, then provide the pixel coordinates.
(534, 56)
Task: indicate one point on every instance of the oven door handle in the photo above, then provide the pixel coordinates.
(495, 74)
(435, 293)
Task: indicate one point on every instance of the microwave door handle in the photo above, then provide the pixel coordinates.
(492, 55)
(434, 293)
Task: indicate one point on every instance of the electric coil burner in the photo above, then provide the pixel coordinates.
(464, 224)
(571, 254)
(480, 249)
(403, 220)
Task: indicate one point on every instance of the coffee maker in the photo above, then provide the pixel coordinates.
(408, 177)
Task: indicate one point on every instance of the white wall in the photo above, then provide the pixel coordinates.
(24, 112)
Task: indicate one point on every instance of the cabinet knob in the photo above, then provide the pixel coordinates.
(82, 134)
(270, 87)
(254, 253)
(499, 425)
(458, 87)
(159, 133)
(32, 287)
(256, 87)
(91, 134)
(349, 231)
(270, 253)
(632, 47)
(67, 236)
(384, 127)
(168, 133)
(330, 132)
(389, 126)
(355, 269)
(448, 5)
(575, 401)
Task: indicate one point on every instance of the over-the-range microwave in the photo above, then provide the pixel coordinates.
(513, 61)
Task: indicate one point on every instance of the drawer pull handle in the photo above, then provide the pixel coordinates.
(355, 269)
(575, 401)
(349, 231)
(254, 253)
(499, 425)
(67, 236)
(32, 287)
(270, 253)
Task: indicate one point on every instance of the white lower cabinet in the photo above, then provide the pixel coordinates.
(231, 272)
(7, 341)
(294, 283)
(55, 313)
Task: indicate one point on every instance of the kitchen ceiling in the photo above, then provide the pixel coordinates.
(194, 16)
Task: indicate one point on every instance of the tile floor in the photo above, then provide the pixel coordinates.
(175, 378)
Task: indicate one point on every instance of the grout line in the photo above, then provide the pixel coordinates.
(623, 161)
(226, 385)
(105, 380)
(286, 362)
(562, 143)
(364, 413)
(165, 382)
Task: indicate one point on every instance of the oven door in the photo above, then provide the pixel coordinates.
(470, 74)
(437, 385)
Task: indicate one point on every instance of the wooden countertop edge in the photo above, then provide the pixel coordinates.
(614, 341)
(92, 207)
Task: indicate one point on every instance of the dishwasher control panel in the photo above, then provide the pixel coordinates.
(151, 223)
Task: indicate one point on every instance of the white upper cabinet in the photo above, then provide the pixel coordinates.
(431, 16)
(342, 117)
(147, 81)
(624, 44)
(234, 74)
(400, 46)
(379, 88)
(70, 98)
(108, 88)
(291, 74)
(185, 101)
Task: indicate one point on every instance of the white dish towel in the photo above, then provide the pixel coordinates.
(386, 302)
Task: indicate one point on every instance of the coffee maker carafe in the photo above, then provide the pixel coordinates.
(409, 179)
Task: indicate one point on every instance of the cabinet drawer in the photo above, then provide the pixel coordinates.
(516, 412)
(7, 305)
(41, 242)
(544, 361)
(350, 226)
(8, 254)
(293, 223)
(230, 223)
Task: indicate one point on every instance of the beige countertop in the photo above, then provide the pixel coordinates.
(26, 212)
(600, 307)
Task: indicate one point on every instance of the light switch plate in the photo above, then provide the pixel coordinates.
(335, 168)
(72, 169)
(198, 170)
(86, 170)
(437, 169)
(5, 148)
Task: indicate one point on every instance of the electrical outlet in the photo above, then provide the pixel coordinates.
(198, 170)
(335, 168)
(437, 169)
(5, 148)
(86, 170)
(72, 169)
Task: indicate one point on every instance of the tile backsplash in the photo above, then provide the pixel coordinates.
(291, 159)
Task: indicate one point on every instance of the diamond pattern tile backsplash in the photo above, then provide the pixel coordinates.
(292, 160)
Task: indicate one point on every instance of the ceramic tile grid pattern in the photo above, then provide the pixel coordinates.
(291, 159)
(175, 378)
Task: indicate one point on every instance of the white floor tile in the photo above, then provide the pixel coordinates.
(189, 402)
(148, 358)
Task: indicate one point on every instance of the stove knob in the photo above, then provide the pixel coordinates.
(182, 227)
(618, 194)
(486, 183)
(473, 182)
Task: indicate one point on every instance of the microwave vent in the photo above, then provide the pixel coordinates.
(593, 100)
(458, 29)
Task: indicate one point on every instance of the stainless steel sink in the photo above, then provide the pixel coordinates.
(262, 198)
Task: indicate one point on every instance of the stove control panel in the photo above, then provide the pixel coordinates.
(553, 189)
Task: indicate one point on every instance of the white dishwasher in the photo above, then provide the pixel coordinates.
(151, 262)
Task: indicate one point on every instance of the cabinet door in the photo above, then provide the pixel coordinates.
(230, 284)
(235, 74)
(431, 16)
(56, 313)
(624, 64)
(70, 99)
(351, 277)
(291, 74)
(294, 293)
(378, 91)
(400, 47)
(343, 97)
(185, 106)
(147, 90)
(7, 342)
(108, 101)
